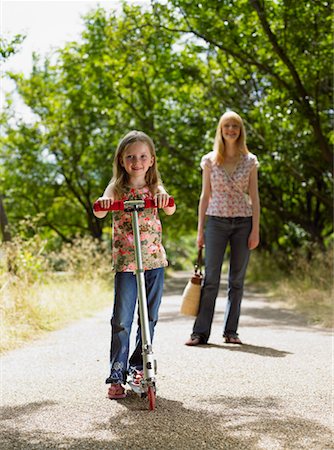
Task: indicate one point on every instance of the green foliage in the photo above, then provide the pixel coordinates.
(125, 74)
(278, 77)
(182, 254)
(9, 45)
(172, 71)
(31, 259)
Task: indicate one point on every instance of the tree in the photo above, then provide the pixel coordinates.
(172, 72)
(124, 74)
(262, 47)
(8, 47)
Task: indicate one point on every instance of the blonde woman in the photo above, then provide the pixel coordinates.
(228, 213)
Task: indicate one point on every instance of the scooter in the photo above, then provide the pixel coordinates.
(147, 385)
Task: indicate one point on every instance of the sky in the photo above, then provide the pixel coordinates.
(47, 25)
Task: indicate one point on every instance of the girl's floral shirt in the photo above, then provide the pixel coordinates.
(123, 251)
(229, 192)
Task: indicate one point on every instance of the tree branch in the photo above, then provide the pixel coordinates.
(311, 115)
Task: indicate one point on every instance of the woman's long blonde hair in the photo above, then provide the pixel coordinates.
(120, 177)
(219, 143)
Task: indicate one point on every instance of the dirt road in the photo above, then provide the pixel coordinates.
(274, 392)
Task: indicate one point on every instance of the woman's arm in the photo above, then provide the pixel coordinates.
(254, 237)
(203, 205)
(105, 201)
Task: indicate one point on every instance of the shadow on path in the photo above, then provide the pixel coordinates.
(173, 426)
(254, 349)
(15, 412)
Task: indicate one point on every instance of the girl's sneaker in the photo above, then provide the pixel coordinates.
(135, 381)
(137, 376)
(116, 391)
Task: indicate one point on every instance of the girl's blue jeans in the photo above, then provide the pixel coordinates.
(220, 231)
(122, 318)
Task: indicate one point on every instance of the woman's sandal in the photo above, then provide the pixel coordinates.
(232, 340)
(193, 341)
(116, 391)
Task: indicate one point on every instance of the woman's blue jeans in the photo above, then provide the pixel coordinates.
(122, 318)
(220, 231)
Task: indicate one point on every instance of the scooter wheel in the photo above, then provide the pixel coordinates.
(151, 397)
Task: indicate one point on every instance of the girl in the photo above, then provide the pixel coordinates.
(135, 175)
(229, 204)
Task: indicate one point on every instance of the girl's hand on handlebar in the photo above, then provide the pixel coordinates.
(161, 200)
(105, 202)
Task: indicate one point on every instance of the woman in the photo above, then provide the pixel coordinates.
(229, 210)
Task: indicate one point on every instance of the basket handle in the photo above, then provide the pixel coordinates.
(199, 262)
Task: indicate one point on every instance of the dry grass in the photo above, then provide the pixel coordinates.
(34, 298)
(27, 312)
(307, 288)
(316, 305)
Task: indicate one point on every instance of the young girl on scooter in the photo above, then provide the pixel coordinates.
(135, 176)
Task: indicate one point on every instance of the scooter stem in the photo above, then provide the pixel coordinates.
(148, 358)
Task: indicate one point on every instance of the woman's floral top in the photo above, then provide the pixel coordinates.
(153, 252)
(229, 192)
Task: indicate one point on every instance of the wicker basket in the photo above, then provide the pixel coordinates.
(192, 292)
(191, 296)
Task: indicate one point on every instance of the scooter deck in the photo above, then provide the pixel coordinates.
(141, 388)
(137, 389)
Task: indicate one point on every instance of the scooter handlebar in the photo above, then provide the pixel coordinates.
(118, 205)
(150, 203)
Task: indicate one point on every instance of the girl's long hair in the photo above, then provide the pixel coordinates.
(120, 179)
(219, 143)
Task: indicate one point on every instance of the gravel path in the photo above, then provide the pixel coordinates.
(274, 392)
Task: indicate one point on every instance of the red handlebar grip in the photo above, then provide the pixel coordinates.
(171, 201)
(118, 205)
(150, 203)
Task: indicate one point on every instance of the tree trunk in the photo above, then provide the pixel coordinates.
(94, 225)
(6, 236)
